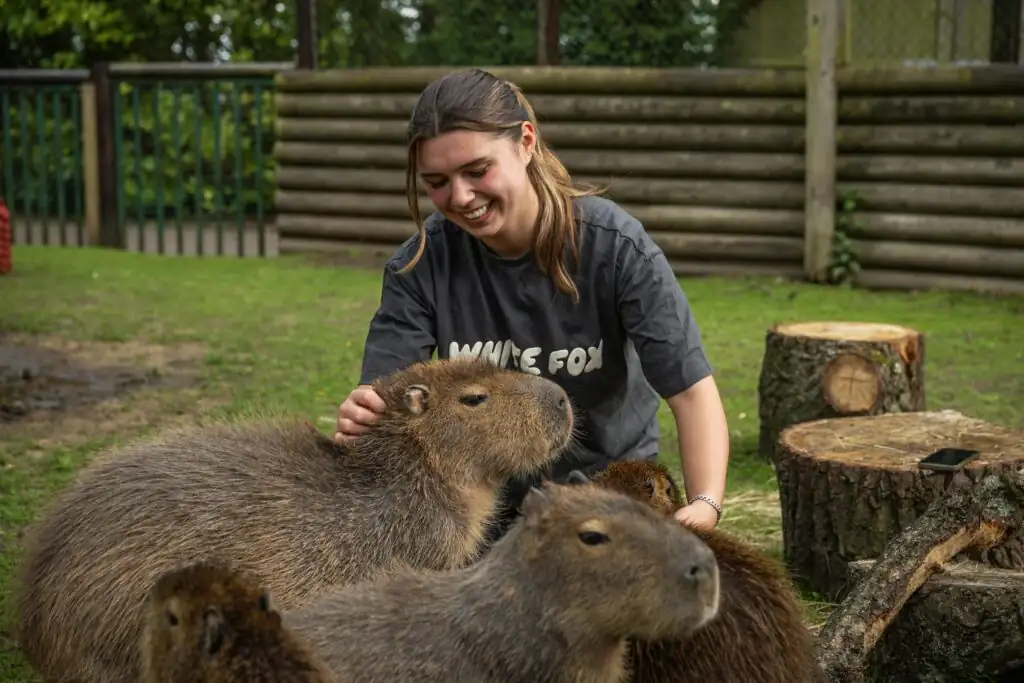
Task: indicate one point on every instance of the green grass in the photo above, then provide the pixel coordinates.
(286, 334)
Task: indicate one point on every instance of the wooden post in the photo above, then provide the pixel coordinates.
(820, 146)
(107, 161)
(547, 32)
(305, 24)
(90, 164)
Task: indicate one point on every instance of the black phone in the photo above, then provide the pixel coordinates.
(947, 459)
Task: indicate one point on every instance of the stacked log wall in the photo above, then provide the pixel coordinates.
(711, 161)
(934, 159)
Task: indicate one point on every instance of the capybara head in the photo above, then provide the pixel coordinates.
(208, 622)
(645, 480)
(625, 565)
(502, 422)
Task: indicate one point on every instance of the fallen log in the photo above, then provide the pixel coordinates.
(814, 370)
(649, 136)
(940, 258)
(848, 486)
(931, 139)
(897, 280)
(921, 170)
(969, 515)
(937, 199)
(981, 231)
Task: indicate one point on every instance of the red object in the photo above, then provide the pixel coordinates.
(5, 238)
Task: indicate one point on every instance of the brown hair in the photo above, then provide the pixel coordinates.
(474, 99)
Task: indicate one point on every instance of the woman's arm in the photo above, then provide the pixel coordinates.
(704, 450)
(656, 315)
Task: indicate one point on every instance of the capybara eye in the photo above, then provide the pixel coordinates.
(172, 618)
(264, 602)
(649, 486)
(593, 537)
(473, 399)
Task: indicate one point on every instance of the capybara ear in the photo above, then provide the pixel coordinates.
(535, 503)
(416, 398)
(576, 477)
(213, 630)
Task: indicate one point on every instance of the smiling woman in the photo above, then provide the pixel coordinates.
(521, 265)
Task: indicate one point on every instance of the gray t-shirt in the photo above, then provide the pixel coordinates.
(631, 337)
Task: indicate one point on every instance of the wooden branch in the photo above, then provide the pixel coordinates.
(968, 516)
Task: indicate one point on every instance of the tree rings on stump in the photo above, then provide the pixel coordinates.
(848, 485)
(815, 370)
(966, 623)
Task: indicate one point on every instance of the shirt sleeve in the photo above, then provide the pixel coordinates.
(657, 317)
(402, 330)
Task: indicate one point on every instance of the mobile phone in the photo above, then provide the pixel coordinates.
(947, 459)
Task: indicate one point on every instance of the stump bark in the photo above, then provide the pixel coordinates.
(971, 515)
(847, 486)
(817, 370)
(965, 623)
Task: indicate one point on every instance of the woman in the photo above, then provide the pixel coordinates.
(504, 270)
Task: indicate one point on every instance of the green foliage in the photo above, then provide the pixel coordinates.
(843, 265)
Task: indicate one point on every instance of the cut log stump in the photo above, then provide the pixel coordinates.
(848, 485)
(970, 515)
(966, 623)
(816, 370)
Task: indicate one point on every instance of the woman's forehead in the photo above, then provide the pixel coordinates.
(456, 150)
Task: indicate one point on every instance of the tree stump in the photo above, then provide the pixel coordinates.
(817, 370)
(965, 623)
(848, 485)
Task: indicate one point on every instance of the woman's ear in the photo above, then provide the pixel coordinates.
(527, 142)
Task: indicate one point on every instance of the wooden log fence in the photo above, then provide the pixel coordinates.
(928, 172)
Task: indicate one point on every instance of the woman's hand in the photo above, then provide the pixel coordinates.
(358, 412)
(697, 515)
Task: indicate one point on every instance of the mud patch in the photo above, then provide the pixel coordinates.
(89, 388)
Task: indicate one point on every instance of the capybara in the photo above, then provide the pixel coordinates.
(284, 502)
(758, 635)
(554, 600)
(206, 623)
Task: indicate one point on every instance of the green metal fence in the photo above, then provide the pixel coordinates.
(188, 168)
(41, 155)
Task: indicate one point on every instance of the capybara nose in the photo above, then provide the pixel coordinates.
(699, 567)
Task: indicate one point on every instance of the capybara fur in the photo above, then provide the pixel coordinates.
(758, 635)
(283, 502)
(554, 600)
(206, 623)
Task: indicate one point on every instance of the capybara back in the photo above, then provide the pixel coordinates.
(554, 600)
(758, 635)
(205, 623)
(282, 502)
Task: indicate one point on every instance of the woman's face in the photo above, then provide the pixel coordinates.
(478, 181)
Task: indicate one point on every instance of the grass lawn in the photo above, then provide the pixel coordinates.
(161, 340)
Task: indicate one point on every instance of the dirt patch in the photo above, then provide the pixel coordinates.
(84, 389)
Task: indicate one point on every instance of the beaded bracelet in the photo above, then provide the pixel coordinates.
(711, 502)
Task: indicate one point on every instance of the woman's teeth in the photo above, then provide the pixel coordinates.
(473, 215)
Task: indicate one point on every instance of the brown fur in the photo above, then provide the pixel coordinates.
(758, 635)
(283, 502)
(554, 600)
(205, 623)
